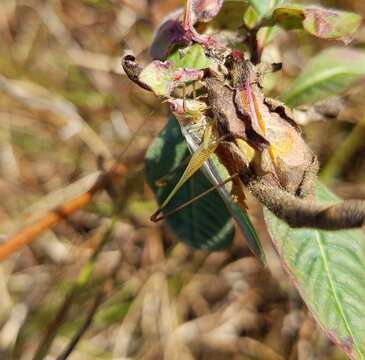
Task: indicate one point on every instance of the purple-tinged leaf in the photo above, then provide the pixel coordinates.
(323, 23)
(330, 24)
(178, 28)
(169, 34)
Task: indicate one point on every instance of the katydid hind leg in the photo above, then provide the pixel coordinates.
(197, 160)
(157, 217)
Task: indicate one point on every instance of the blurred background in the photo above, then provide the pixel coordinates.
(106, 283)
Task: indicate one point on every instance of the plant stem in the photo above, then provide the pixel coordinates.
(343, 154)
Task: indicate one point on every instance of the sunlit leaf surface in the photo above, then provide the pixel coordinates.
(262, 7)
(194, 58)
(329, 73)
(318, 21)
(328, 268)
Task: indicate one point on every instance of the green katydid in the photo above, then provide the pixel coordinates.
(200, 134)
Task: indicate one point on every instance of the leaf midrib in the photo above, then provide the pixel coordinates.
(319, 239)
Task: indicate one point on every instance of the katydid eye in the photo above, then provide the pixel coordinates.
(229, 61)
(173, 107)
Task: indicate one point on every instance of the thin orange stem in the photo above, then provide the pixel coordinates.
(30, 232)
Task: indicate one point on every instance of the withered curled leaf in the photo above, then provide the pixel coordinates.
(160, 77)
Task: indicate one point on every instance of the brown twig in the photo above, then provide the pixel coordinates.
(81, 282)
(27, 234)
(54, 326)
(85, 325)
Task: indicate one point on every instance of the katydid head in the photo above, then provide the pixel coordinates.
(187, 110)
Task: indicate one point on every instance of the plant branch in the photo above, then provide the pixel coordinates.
(30, 232)
(299, 212)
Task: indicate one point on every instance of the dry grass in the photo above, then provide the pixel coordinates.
(104, 282)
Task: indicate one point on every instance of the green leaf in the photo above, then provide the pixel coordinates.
(328, 268)
(262, 7)
(289, 18)
(331, 72)
(194, 58)
(205, 224)
(258, 9)
(318, 21)
(251, 17)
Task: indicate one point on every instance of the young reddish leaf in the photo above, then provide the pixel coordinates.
(320, 22)
(178, 28)
(201, 10)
